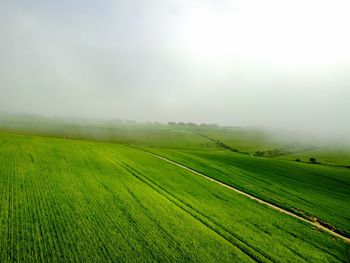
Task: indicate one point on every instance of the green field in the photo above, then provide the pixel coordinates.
(64, 200)
(309, 190)
(326, 155)
(183, 136)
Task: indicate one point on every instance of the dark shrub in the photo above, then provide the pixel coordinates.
(312, 160)
(259, 153)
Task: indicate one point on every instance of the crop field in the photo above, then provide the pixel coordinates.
(328, 155)
(311, 190)
(69, 201)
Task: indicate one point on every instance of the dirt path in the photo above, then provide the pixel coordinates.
(279, 209)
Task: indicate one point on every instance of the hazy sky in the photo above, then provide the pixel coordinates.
(243, 62)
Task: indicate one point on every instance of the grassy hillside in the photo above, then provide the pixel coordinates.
(181, 136)
(284, 147)
(325, 155)
(310, 190)
(123, 132)
(64, 200)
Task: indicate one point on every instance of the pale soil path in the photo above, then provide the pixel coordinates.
(279, 209)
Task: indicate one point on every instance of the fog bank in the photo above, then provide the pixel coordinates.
(279, 64)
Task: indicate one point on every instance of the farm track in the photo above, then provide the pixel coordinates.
(275, 207)
(254, 253)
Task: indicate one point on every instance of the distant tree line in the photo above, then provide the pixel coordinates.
(274, 152)
(212, 125)
(311, 160)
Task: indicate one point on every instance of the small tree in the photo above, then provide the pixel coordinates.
(297, 160)
(312, 160)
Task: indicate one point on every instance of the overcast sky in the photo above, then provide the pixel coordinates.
(272, 63)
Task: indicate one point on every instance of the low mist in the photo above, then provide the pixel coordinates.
(277, 65)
